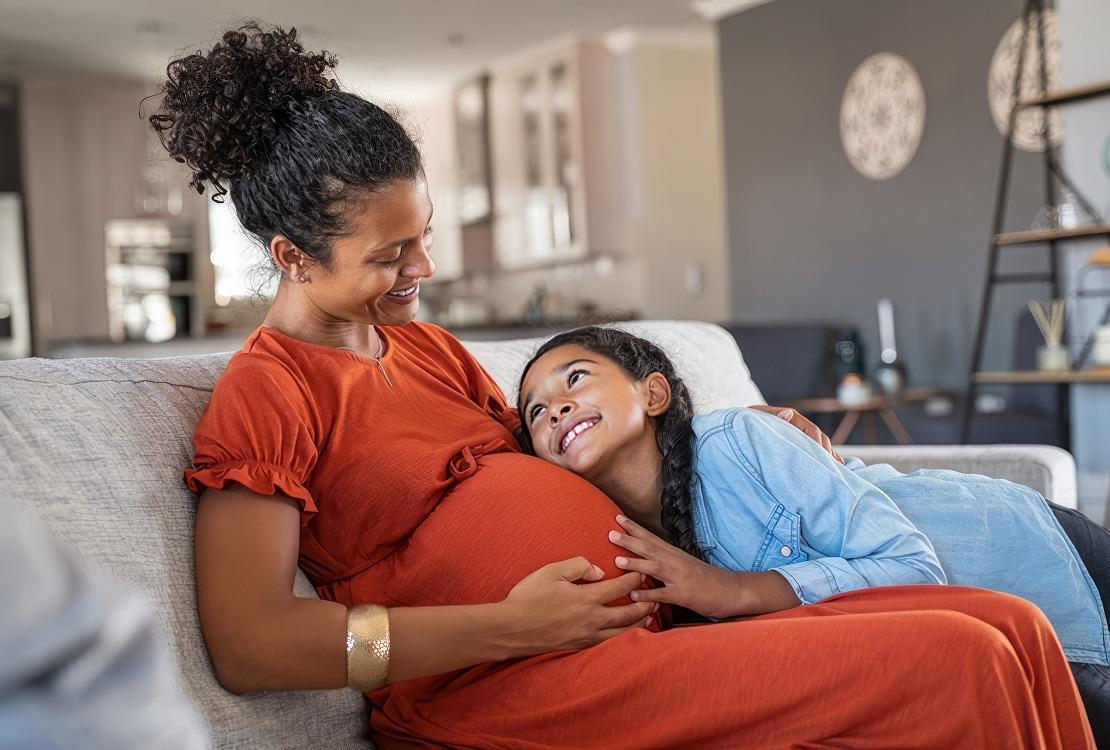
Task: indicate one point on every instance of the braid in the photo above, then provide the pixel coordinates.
(673, 431)
(676, 436)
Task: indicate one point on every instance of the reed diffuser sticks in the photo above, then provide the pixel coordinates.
(1052, 356)
(1051, 322)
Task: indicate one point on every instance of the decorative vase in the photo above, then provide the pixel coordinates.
(1102, 347)
(1052, 358)
(852, 391)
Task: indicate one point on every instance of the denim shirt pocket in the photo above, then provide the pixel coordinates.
(782, 544)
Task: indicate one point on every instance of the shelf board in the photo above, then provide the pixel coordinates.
(1045, 235)
(1094, 375)
(1067, 96)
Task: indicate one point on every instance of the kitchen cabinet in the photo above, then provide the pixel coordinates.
(553, 167)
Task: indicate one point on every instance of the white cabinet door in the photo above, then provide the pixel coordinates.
(15, 315)
(540, 196)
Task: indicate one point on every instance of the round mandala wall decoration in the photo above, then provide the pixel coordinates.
(882, 116)
(1030, 123)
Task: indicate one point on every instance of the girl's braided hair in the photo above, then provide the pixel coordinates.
(639, 358)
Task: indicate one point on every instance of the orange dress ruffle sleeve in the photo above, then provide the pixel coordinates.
(257, 432)
(414, 492)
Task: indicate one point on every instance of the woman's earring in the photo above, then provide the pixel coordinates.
(301, 279)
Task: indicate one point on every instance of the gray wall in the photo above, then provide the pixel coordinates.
(810, 238)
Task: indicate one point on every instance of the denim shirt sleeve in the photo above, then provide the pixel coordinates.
(864, 538)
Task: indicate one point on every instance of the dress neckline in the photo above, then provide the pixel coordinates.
(387, 346)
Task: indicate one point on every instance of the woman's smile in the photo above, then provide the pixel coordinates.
(404, 296)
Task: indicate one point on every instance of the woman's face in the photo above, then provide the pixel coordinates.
(375, 272)
(582, 410)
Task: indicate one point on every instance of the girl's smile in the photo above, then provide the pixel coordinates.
(582, 410)
(570, 437)
(585, 411)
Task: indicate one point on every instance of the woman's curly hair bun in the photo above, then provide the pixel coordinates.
(221, 111)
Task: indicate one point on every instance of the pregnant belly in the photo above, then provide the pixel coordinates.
(514, 515)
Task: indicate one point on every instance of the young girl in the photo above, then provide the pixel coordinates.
(762, 518)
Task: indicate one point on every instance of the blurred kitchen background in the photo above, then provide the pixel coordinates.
(819, 176)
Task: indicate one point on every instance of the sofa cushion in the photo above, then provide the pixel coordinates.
(97, 447)
(704, 355)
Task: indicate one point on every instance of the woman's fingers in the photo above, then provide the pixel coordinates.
(811, 430)
(607, 591)
(628, 615)
(576, 569)
(608, 633)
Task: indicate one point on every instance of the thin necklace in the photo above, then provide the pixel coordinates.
(376, 359)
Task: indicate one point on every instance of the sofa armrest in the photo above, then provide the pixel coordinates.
(1047, 469)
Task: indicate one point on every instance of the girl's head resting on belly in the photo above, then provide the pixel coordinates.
(330, 185)
(610, 407)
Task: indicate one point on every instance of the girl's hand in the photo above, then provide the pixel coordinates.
(687, 581)
(551, 611)
(812, 431)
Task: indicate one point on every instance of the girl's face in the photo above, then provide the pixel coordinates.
(582, 409)
(375, 272)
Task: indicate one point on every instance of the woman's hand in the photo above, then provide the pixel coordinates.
(551, 611)
(811, 430)
(687, 581)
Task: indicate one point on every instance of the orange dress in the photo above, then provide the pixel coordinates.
(414, 492)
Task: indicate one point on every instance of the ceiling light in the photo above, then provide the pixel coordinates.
(715, 10)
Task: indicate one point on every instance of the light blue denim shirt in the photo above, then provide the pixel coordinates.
(766, 497)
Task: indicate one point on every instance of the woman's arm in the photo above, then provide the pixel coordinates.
(261, 637)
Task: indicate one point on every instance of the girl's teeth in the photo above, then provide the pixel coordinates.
(575, 432)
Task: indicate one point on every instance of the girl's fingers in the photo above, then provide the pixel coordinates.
(647, 567)
(639, 547)
(634, 529)
(662, 594)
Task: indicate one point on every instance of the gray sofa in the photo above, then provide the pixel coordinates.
(97, 447)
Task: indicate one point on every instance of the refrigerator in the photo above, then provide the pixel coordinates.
(15, 312)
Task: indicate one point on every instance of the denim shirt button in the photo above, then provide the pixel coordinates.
(786, 552)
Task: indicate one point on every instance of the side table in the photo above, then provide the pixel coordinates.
(871, 410)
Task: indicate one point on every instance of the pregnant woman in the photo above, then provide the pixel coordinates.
(455, 574)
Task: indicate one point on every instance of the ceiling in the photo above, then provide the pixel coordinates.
(399, 49)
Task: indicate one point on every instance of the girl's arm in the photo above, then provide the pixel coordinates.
(261, 637)
(864, 537)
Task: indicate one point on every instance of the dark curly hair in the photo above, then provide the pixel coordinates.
(673, 431)
(260, 117)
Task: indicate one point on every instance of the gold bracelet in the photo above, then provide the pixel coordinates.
(367, 647)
